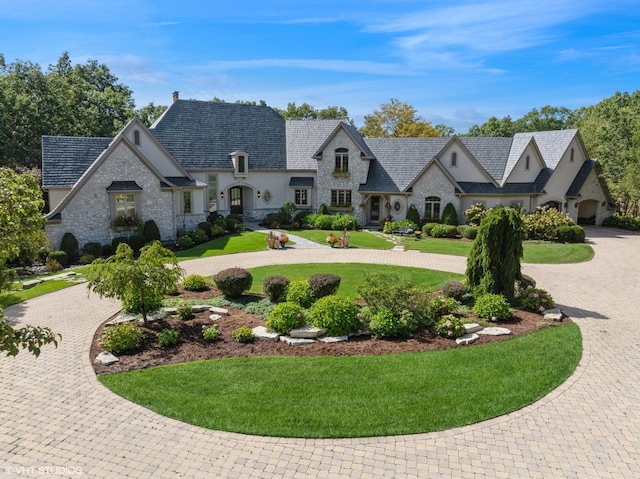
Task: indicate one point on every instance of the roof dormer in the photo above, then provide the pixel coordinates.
(240, 160)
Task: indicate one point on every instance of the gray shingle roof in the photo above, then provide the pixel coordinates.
(301, 182)
(491, 153)
(552, 144)
(66, 158)
(304, 137)
(398, 161)
(201, 134)
(581, 177)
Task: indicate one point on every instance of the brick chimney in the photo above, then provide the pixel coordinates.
(176, 95)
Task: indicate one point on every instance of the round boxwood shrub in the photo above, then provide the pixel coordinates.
(60, 256)
(194, 282)
(211, 333)
(454, 289)
(206, 227)
(578, 234)
(94, 249)
(564, 234)
(243, 334)
(150, 231)
(285, 317)
(184, 241)
(87, 259)
(107, 250)
(137, 242)
(121, 338)
(217, 230)
(492, 306)
(324, 284)
(117, 240)
(275, 287)
(427, 228)
(337, 314)
(300, 292)
(438, 231)
(232, 282)
(468, 232)
(168, 337)
(450, 231)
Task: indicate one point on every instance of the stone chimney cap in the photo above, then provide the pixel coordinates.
(176, 95)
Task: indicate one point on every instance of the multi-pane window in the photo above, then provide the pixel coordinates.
(342, 159)
(126, 205)
(242, 167)
(340, 197)
(213, 193)
(300, 197)
(186, 201)
(432, 208)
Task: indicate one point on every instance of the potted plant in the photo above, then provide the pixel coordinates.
(282, 239)
(332, 239)
(271, 240)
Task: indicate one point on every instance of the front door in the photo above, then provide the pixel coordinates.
(375, 209)
(236, 200)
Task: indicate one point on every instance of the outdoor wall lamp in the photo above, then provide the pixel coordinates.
(222, 195)
(258, 193)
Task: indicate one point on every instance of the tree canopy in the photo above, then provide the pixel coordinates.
(398, 119)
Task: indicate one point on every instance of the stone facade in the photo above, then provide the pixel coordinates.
(89, 212)
(434, 182)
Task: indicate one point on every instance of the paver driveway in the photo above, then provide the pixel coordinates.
(54, 413)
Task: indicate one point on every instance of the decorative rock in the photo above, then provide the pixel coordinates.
(122, 318)
(261, 332)
(106, 358)
(31, 283)
(198, 308)
(214, 317)
(308, 331)
(220, 311)
(467, 339)
(334, 339)
(361, 332)
(170, 310)
(554, 315)
(296, 341)
(495, 331)
(472, 327)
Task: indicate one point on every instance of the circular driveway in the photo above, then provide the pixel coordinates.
(57, 420)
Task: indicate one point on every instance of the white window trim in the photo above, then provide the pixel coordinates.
(235, 158)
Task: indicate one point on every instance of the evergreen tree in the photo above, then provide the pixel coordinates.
(493, 265)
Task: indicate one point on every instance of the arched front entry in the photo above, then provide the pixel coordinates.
(235, 200)
(587, 210)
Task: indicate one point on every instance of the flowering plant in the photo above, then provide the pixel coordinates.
(450, 326)
(332, 239)
(125, 220)
(537, 300)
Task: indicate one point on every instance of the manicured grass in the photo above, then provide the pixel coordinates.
(353, 275)
(357, 239)
(360, 396)
(534, 252)
(235, 243)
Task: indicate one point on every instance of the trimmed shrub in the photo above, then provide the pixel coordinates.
(625, 222)
(275, 287)
(232, 282)
(274, 220)
(300, 292)
(537, 300)
(427, 228)
(468, 232)
(199, 236)
(217, 231)
(494, 307)
(236, 218)
(450, 326)
(184, 241)
(87, 259)
(450, 215)
(168, 337)
(321, 222)
(69, 245)
(243, 334)
(450, 231)
(121, 338)
(137, 242)
(206, 227)
(578, 234)
(438, 231)
(324, 284)
(386, 324)
(413, 215)
(564, 234)
(59, 256)
(107, 250)
(94, 249)
(301, 217)
(455, 290)
(285, 317)
(323, 210)
(343, 222)
(117, 240)
(194, 282)
(287, 209)
(150, 231)
(337, 314)
(211, 333)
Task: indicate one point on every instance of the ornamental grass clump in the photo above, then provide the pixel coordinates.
(337, 314)
(537, 300)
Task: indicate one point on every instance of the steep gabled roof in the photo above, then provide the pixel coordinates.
(398, 161)
(491, 153)
(201, 135)
(66, 158)
(354, 135)
(518, 147)
(304, 137)
(552, 144)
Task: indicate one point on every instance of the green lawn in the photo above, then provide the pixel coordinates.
(357, 239)
(353, 275)
(359, 396)
(235, 243)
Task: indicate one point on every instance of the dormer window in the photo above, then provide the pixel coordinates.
(240, 161)
(136, 138)
(454, 159)
(342, 160)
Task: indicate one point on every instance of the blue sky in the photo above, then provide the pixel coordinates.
(457, 62)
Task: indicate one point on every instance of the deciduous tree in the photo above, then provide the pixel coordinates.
(397, 119)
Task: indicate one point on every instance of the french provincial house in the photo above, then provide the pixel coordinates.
(203, 157)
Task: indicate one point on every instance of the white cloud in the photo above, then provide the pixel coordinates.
(366, 67)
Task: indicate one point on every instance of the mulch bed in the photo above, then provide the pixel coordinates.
(192, 346)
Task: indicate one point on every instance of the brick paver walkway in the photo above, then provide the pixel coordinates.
(55, 414)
